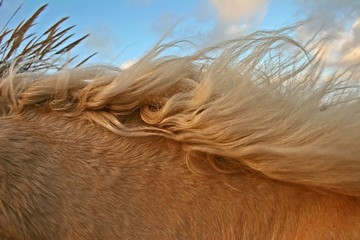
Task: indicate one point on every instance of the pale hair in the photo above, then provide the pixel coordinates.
(262, 103)
(242, 99)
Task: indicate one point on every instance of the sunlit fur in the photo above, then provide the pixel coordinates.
(249, 139)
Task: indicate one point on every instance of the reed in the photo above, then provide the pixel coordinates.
(35, 52)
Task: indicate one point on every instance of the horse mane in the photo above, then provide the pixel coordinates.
(261, 100)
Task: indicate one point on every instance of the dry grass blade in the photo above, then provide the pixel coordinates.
(51, 38)
(19, 33)
(62, 41)
(86, 59)
(4, 34)
(62, 33)
(28, 48)
(30, 43)
(54, 27)
(12, 16)
(71, 45)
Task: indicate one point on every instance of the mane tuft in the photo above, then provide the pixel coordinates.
(261, 100)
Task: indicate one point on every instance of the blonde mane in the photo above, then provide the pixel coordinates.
(261, 100)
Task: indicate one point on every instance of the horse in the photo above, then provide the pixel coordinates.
(252, 138)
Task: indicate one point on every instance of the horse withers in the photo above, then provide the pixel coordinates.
(219, 144)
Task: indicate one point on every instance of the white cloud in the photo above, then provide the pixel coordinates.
(165, 23)
(213, 21)
(104, 40)
(349, 50)
(351, 57)
(338, 19)
(235, 17)
(233, 11)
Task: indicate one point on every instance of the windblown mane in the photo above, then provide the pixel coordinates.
(261, 100)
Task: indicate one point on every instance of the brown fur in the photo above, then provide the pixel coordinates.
(195, 147)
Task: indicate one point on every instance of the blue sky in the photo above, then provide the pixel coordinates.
(122, 30)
